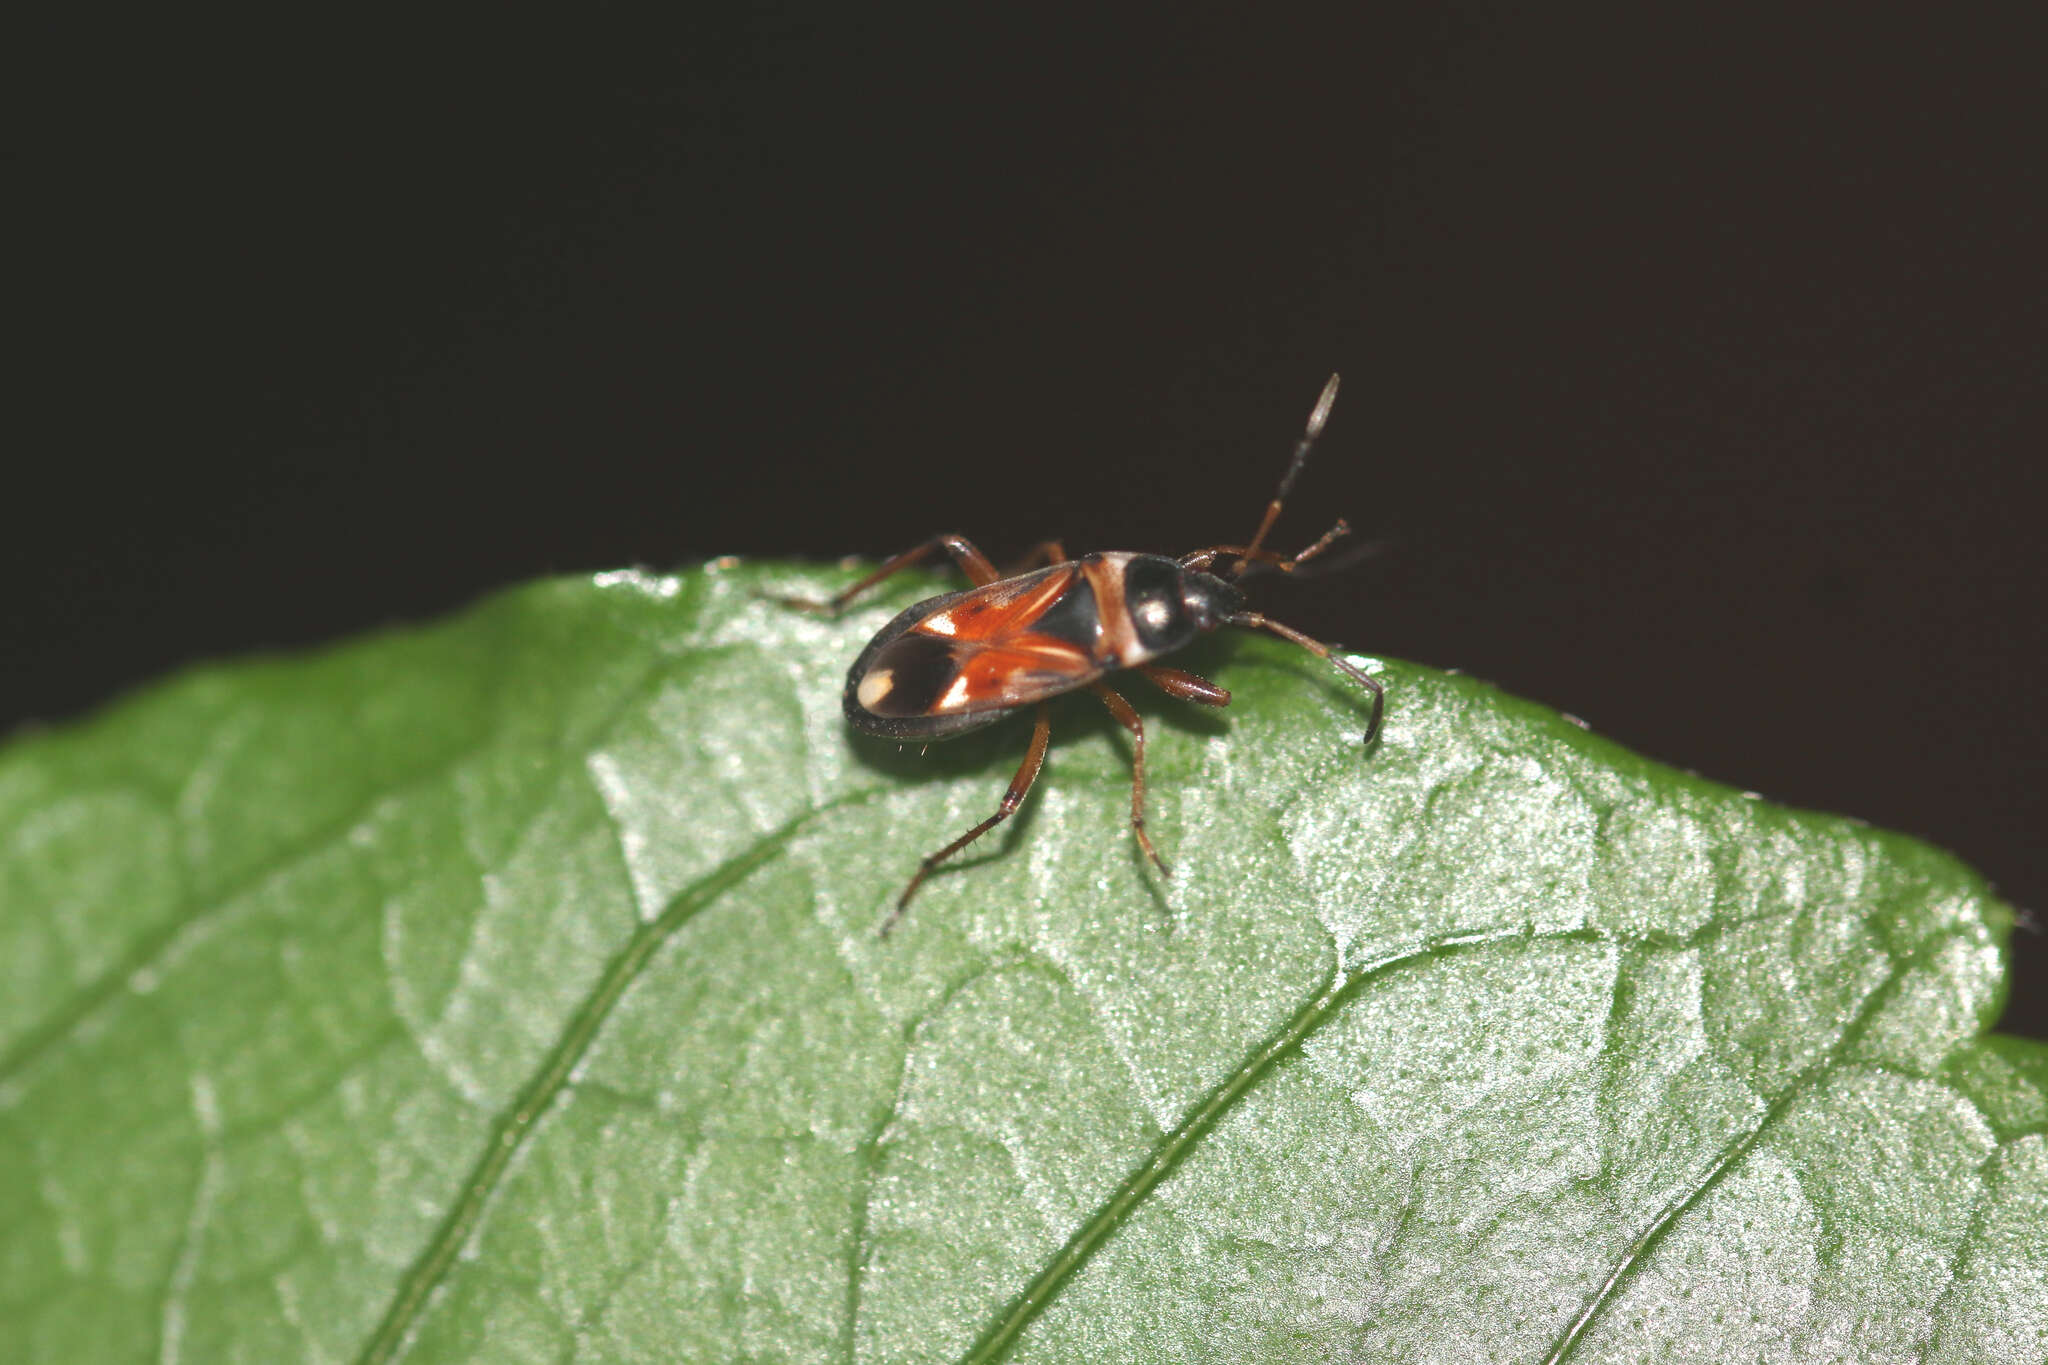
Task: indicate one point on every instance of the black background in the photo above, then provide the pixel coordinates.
(1693, 366)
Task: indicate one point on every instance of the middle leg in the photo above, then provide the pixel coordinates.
(1128, 718)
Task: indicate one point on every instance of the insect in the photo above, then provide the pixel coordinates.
(962, 660)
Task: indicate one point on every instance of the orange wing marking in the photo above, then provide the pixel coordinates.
(1001, 611)
(1000, 662)
(1011, 674)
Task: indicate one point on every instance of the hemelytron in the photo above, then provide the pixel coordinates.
(962, 660)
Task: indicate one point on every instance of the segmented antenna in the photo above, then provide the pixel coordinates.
(1318, 417)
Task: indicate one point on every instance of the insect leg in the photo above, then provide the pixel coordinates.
(972, 562)
(1187, 686)
(1027, 773)
(1128, 718)
(1321, 650)
(1045, 552)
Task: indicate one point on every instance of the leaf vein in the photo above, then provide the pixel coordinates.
(154, 944)
(511, 1129)
(83, 1003)
(1732, 1155)
(1966, 1248)
(1338, 989)
(867, 1156)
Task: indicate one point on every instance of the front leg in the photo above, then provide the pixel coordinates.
(972, 562)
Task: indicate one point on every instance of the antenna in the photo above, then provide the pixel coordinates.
(1318, 418)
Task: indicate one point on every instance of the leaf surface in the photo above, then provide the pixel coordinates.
(509, 989)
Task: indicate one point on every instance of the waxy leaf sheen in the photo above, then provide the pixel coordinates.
(508, 989)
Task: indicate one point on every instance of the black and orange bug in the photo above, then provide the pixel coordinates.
(962, 660)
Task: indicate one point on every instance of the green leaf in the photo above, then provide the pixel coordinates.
(509, 990)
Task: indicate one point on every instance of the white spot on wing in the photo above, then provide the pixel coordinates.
(874, 687)
(939, 623)
(956, 695)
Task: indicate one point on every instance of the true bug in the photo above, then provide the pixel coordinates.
(962, 660)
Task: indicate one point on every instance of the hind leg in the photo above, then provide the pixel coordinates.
(1027, 773)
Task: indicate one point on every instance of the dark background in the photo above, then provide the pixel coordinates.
(1694, 368)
